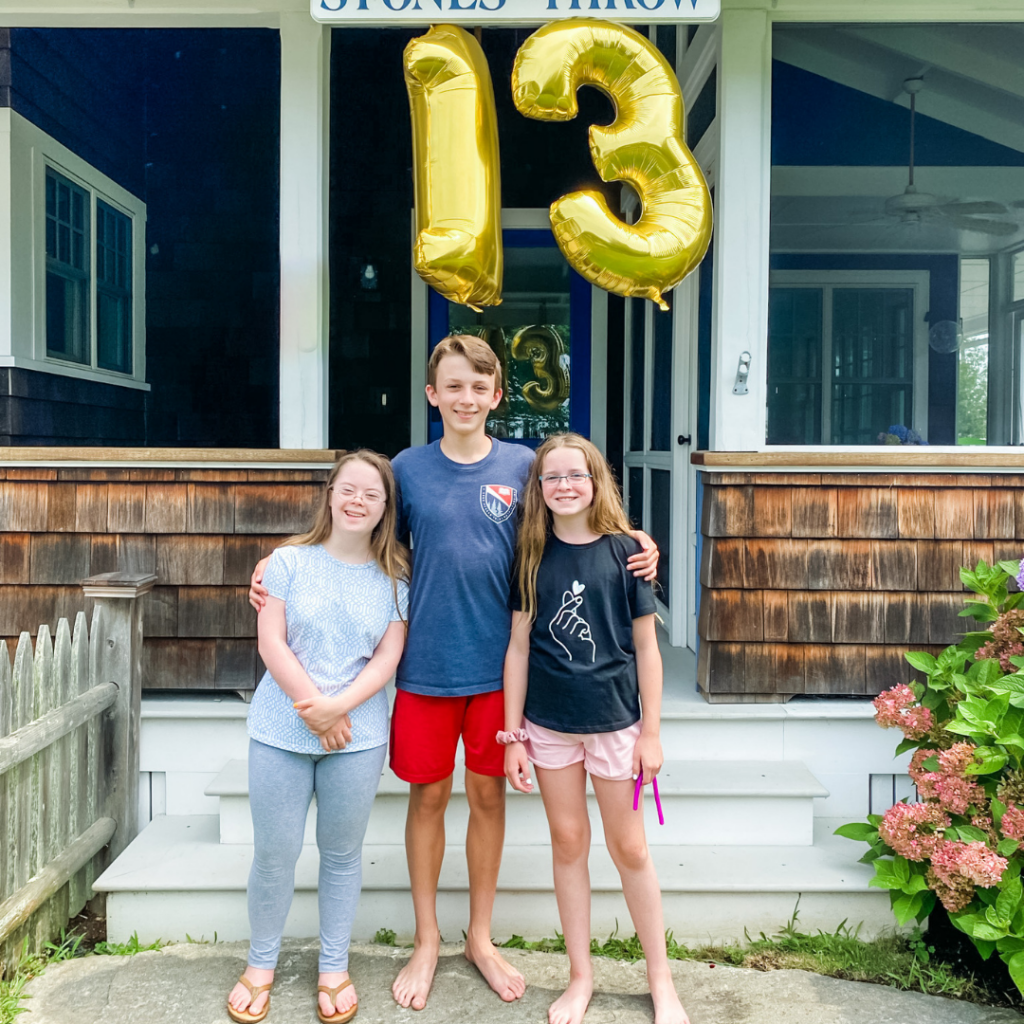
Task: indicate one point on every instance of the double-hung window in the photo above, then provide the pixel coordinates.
(88, 256)
(73, 294)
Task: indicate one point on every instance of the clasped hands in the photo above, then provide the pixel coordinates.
(326, 718)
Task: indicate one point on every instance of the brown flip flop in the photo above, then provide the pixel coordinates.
(243, 1016)
(332, 994)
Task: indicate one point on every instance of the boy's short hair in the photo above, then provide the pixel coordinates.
(480, 355)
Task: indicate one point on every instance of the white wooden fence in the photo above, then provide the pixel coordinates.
(69, 760)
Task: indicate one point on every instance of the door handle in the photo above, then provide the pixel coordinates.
(683, 439)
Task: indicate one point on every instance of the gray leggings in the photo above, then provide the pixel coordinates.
(281, 785)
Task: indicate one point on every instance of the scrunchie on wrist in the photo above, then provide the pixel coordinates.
(515, 736)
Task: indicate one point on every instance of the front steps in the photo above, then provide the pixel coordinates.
(178, 879)
(705, 803)
(752, 794)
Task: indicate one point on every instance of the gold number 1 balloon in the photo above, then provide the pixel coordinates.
(455, 165)
(643, 146)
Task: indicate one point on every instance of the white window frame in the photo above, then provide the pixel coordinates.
(26, 152)
(919, 281)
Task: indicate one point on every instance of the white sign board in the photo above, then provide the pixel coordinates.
(509, 12)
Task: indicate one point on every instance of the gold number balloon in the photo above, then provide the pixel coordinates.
(543, 347)
(455, 163)
(643, 146)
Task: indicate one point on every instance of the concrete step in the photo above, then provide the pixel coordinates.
(178, 879)
(705, 803)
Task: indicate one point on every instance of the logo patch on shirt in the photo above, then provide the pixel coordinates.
(498, 501)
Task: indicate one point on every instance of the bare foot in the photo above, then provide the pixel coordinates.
(239, 997)
(497, 971)
(346, 999)
(667, 1008)
(571, 1005)
(412, 986)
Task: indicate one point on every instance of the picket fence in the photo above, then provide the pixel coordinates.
(69, 760)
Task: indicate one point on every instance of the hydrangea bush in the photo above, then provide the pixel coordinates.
(961, 845)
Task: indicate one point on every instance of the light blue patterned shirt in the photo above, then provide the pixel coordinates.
(336, 615)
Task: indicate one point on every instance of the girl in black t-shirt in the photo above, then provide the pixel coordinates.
(583, 694)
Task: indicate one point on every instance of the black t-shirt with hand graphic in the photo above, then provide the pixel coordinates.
(582, 659)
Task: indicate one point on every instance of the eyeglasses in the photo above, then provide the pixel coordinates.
(369, 497)
(576, 479)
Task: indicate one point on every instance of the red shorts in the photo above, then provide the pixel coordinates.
(425, 734)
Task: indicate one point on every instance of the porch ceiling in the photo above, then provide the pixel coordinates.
(973, 73)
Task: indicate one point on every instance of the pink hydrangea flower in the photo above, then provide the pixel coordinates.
(956, 795)
(923, 779)
(973, 861)
(957, 759)
(898, 708)
(1012, 825)
(913, 830)
(955, 896)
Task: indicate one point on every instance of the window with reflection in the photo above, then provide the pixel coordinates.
(896, 306)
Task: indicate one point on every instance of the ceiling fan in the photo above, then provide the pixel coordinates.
(913, 207)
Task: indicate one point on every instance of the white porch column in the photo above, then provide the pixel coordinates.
(742, 196)
(305, 129)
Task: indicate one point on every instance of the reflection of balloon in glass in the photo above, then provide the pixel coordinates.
(945, 336)
(543, 347)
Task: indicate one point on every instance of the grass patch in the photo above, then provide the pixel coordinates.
(69, 946)
(902, 961)
(385, 937)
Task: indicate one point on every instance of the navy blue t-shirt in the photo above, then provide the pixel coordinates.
(463, 520)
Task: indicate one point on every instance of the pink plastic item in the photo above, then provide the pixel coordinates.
(657, 796)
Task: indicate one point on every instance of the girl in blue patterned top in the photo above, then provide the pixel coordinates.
(331, 635)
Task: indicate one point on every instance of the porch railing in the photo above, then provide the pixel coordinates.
(69, 760)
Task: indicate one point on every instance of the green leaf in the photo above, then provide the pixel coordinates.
(985, 930)
(986, 949)
(1007, 847)
(906, 908)
(987, 766)
(917, 884)
(904, 745)
(885, 876)
(1011, 944)
(1009, 567)
(952, 834)
(858, 831)
(998, 810)
(970, 834)
(921, 660)
(931, 764)
(901, 869)
(1008, 899)
(965, 922)
(996, 919)
(1015, 965)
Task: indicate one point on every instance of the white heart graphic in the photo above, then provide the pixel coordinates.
(578, 588)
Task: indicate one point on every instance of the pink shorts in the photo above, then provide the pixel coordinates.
(608, 755)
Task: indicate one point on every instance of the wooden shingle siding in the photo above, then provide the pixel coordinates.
(199, 530)
(820, 583)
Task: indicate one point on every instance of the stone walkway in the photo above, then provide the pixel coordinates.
(188, 984)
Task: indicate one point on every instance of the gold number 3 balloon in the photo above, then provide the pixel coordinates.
(456, 169)
(643, 146)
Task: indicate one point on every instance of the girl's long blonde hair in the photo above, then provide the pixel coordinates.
(390, 554)
(606, 513)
